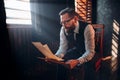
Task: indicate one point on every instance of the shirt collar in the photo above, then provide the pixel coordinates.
(76, 30)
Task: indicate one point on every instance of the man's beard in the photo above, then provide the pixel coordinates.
(70, 29)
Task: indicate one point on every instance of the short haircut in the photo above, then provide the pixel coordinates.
(68, 10)
(71, 12)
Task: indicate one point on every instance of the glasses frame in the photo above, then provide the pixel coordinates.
(66, 21)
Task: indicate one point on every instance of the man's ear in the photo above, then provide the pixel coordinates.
(76, 18)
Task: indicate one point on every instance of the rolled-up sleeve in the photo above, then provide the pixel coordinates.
(89, 35)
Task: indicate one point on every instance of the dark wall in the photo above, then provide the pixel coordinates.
(108, 11)
(7, 67)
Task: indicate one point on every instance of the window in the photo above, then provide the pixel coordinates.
(17, 11)
(115, 45)
(84, 9)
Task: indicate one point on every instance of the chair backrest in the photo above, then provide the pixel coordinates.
(99, 33)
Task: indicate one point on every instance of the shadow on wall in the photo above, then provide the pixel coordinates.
(115, 50)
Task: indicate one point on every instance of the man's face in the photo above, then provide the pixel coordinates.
(67, 21)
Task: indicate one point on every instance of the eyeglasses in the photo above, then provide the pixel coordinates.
(66, 21)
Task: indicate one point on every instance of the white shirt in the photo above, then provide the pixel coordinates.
(89, 35)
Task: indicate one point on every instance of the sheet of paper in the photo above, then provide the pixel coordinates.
(46, 47)
(45, 50)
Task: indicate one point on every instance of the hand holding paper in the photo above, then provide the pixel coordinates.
(44, 49)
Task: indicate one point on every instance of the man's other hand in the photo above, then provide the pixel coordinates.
(72, 63)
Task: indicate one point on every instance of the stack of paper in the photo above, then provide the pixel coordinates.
(45, 50)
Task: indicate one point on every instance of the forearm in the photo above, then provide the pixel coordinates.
(60, 53)
(63, 44)
(89, 45)
(86, 57)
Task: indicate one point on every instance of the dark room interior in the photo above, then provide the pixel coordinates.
(19, 56)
